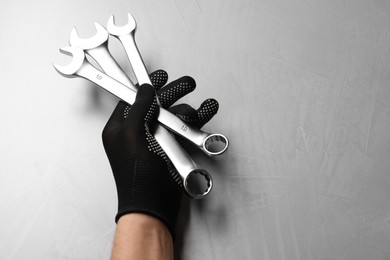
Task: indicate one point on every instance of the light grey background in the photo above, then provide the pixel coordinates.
(304, 97)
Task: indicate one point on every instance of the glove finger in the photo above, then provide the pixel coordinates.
(159, 78)
(207, 110)
(185, 112)
(175, 90)
(145, 107)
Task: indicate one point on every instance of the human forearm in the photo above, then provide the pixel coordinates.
(139, 236)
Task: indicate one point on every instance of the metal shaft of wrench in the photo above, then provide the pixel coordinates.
(196, 182)
(211, 144)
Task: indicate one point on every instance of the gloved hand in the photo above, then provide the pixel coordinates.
(144, 183)
(143, 177)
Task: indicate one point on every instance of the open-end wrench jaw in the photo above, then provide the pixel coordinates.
(98, 39)
(115, 30)
(78, 58)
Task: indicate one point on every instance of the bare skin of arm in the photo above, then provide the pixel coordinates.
(140, 236)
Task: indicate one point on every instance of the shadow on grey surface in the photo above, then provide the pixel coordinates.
(99, 100)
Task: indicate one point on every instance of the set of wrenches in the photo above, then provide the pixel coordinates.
(196, 181)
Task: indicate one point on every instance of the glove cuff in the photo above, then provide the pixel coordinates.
(146, 186)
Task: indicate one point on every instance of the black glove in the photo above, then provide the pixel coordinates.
(144, 183)
(144, 178)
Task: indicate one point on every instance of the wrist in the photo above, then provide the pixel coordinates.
(142, 235)
(144, 224)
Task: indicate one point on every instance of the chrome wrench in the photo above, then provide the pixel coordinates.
(211, 144)
(196, 182)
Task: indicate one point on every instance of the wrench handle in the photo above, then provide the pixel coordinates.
(105, 60)
(211, 144)
(135, 59)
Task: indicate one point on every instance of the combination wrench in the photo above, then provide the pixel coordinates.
(196, 182)
(211, 144)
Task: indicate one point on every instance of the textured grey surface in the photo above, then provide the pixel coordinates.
(304, 96)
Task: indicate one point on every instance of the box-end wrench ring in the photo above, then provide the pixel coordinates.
(211, 144)
(196, 182)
